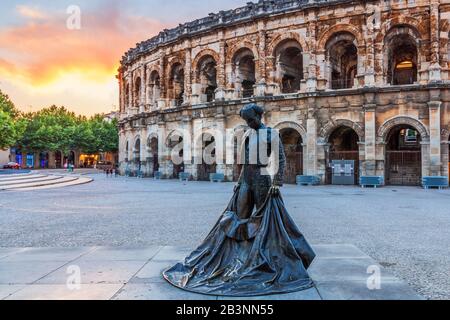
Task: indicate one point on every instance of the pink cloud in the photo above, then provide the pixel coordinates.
(42, 50)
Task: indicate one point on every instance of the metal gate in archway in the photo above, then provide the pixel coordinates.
(403, 168)
(294, 166)
(342, 155)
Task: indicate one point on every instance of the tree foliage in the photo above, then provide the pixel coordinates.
(57, 129)
(11, 128)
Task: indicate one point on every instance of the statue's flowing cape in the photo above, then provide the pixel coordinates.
(265, 254)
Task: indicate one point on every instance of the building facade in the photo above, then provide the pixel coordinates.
(358, 80)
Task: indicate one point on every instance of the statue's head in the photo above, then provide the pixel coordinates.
(252, 114)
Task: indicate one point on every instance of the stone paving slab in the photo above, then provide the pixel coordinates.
(340, 272)
(96, 272)
(61, 292)
(26, 272)
(358, 290)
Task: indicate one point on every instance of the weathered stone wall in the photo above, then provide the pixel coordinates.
(370, 103)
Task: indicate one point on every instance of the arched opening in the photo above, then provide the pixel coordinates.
(137, 154)
(293, 148)
(176, 156)
(208, 164)
(245, 72)
(207, 76)
(403, 156)
(137, 92)
(154, 155)
(289, 66)
(58, 160)
(342, 57)
(402, 55)
(176, 84)
(343, 157)
(154, 90)
(127, 152)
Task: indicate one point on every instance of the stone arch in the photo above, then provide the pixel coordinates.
(328, 129)
(203, 53)
(152, 69)
(280, 38)
(176, 85)
(386, 127)
(419, 27)
(339, 28)
(292, 125)
(172, 134)
(246, 44)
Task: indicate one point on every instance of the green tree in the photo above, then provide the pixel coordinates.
(11, 128)
(7, 131)
(6, 105)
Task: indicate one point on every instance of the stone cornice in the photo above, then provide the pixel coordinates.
(250, 12)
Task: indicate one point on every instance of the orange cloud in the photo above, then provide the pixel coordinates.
(41, 51)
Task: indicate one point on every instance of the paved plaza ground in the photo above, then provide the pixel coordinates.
(406, 230)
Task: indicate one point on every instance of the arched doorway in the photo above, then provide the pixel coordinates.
(293, 148)
(176, 155)
(154, 89)
(137, 155)
(403, 156)
(208, 164)
(289, 65)
(154, 155)
(342, 57)
(343, 143)
(402, 54)
(245, 72)
(176, 84)
(137, 92)
(206, 75)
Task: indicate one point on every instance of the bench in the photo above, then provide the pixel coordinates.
(217, 177)
(435, 182)
(157, 175)
(184, 176)
(308, 180)
(371, 181)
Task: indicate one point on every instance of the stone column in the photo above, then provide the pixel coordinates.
(163, 152)
(187, 73)
(369, 166)
(435, 68)
(311, 81)
(435, 137)
(221, 152)
(311, 143)
(221, 69)
(369, 72)
(261, 82)
(161, 102)
(143, 91)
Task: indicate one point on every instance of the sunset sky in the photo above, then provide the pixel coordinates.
(42, 62)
